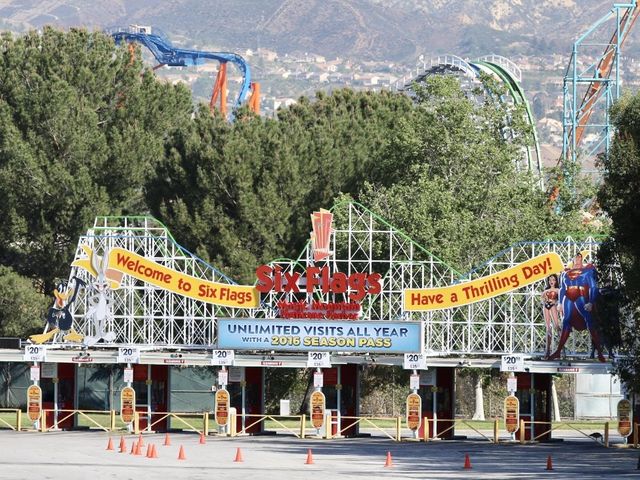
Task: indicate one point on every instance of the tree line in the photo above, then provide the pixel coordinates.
(87, 130)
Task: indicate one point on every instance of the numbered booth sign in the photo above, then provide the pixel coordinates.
(222, 407)
(222, 357)
(512, 363)
(127, 404)
(318, 402)
(128, 355)
(35, 353)
(511, 414)
(415, 361)
(34, 403)
(319, 360)
(625, 417)
(414, 411)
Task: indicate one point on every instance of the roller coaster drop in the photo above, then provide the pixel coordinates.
(591, 87)
(500, 68)
(167, 54)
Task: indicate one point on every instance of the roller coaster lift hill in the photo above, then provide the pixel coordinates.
(166, 54)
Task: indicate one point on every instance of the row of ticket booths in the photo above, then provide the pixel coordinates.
(164, 388)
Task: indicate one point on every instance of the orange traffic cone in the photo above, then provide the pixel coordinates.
(167, 440)
(239, 456)
(181, 455)
(389, 462)
(467, 462)
(202, 439)
(123, 445)
(134, 447)
(140, 441)
(138, 449)
(110, 444)
(309, 458)
(549, 463)
(151, 451)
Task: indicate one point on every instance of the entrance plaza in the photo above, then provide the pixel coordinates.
(82, 455)
(146, 338)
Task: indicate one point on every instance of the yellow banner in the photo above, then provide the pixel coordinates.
(124, 261)
(523, 274)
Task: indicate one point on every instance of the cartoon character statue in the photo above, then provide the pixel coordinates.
(550, 309)
(59, 318)
(99, 310)
(578, 294)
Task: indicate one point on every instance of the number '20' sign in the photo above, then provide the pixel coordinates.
(512, 363)
(35, 353)
(222, 357)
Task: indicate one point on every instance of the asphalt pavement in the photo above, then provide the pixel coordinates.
(83, 455)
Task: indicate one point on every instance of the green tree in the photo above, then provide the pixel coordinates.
(22, 309)
(618, 197)
(449, 178)
(239, 194)
(80, 132)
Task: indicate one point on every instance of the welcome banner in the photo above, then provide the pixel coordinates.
(521, 275)
(127, 262)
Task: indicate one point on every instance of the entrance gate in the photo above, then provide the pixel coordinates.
(360, 245)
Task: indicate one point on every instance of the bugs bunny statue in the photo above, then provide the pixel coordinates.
(99, 310)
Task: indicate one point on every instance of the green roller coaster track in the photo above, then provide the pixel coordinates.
(450, 63)
(517, 93)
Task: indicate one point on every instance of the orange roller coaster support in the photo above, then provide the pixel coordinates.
(220, 90)
(604, 68)
(132, 53)
(254, 100)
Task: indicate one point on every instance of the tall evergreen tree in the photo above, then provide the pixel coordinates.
(618, 197)
(80, 132)
(449, 178)
(240, 194)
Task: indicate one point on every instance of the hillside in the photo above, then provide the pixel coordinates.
(394, 30)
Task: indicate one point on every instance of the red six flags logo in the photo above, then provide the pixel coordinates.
(359, 284)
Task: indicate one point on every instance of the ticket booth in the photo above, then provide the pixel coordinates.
(150, 385)
(534, 394)
(58, 384)
(246, 387)
(342, 391)
(437, 387)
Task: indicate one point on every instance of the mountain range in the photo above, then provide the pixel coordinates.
(393, 30)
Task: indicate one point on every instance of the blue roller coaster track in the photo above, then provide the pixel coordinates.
(167, 54)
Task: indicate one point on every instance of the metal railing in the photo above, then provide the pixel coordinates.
(333, 426)
(61, 415)
(300, 432)
(369, 421)
(599, 438)
(453, 423)
(155, 418)
(18, 417)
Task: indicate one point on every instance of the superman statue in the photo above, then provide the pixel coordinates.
(578, 294)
